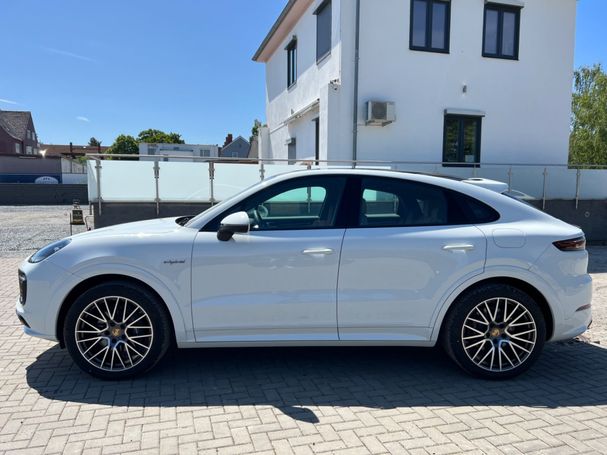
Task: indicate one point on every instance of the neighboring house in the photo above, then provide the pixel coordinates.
(73, 167)
(20, 157)
(460, 81)
(17, 134)
(237, 148)
(183, 151)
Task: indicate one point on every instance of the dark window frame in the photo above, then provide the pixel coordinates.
(317, 12)
(479, 134)
(501, 8)
(341, 217)
(429, 18)
(291, 62)
(355, 192)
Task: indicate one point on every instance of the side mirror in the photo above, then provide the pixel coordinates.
(236, 223)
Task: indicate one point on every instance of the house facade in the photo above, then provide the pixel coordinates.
(17, 134)
(237, 148)
(181, 151)
(21, 160)
(453, 81)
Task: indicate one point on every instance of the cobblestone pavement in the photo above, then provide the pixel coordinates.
(291, 400)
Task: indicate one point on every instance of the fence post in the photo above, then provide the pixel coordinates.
(98, 175)
(578, 183)
(544, 190)
(510, 179)
(211, 181)
(156, 178)
(262, 170)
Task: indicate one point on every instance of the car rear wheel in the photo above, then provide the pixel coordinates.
(116, 331)
(495, 332)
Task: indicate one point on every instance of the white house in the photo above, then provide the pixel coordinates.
(178, 150)
(462, 81)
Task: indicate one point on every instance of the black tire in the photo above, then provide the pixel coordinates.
(148, 302)
(462, 309)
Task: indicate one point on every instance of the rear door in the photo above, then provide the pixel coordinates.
(409, 246)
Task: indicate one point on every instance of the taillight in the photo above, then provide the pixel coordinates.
(577, 244)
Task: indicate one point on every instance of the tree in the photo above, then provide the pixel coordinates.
(124, 145)
(255, 129)
(588, 142)
(152, 136)
(93, 142)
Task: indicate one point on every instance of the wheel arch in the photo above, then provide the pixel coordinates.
(518, 283)
(101, 279)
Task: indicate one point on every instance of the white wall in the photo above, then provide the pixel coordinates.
(312, 79)
(183, 150)
(527, 102)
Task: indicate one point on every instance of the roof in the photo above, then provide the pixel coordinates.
(232, 144)
(289, 16)
(77, 150)
(15, 123)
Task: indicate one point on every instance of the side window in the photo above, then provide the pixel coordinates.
(400, 203)
(323, 29)
(304, 203)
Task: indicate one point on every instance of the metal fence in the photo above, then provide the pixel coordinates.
(177, 179)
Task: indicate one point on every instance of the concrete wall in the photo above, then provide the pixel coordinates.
(117, 212)
(526, 102)
(32, 194)
(590, 216)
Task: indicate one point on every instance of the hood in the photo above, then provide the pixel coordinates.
(138, 229)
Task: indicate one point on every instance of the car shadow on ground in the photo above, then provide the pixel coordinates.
(294, 379)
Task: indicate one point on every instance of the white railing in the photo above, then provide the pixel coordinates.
(212, 180)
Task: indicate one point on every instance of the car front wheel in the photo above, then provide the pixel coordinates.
(495, 332)
(116, 331)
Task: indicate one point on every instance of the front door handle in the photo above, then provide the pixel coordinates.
(459, 247)
(318, 251)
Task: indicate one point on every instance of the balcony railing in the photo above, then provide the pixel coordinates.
(160, 179)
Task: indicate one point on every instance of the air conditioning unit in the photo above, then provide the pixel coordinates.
(380, 113)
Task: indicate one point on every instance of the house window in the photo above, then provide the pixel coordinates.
(501, 31)
(292, 62)
(18, 148)
(323, 30)
(292, 151)
(28, 150)
(462, 139)
(430, 23)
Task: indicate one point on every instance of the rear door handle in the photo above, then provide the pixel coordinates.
(459, 247)
(318, 251)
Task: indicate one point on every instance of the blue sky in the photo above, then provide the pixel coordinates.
(101, 68)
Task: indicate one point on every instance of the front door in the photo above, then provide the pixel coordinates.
(279, 282)
(408, 248)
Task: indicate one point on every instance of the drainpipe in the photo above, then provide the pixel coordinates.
(356, 60)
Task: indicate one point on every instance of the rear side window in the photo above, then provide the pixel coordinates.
(386, 202)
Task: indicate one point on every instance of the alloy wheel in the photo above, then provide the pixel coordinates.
(499, 334)
(114, 333)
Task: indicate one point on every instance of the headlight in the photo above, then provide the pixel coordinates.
(48, 250)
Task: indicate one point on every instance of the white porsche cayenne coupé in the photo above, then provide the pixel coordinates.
(318, 258)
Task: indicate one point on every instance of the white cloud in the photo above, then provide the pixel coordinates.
(2, 100)
(83, 119)
(68, 54)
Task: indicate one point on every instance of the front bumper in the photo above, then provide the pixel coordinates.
(47, 287)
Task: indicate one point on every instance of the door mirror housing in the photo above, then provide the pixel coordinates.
(236, 223)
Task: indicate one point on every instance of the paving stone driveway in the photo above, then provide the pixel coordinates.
(290, 400)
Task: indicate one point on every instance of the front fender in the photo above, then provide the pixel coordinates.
(174, 291)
